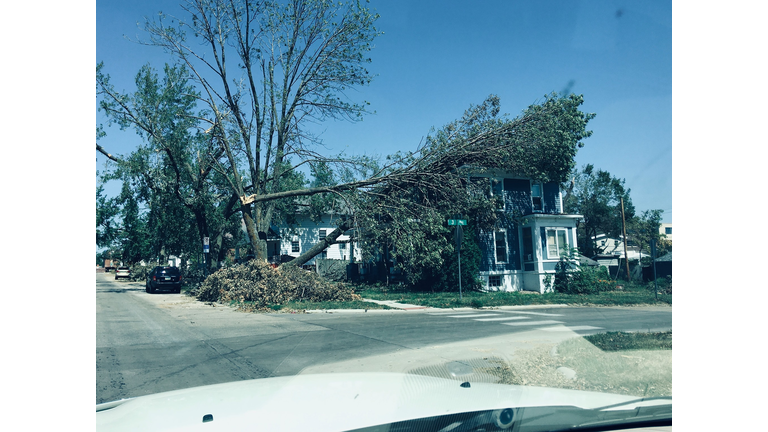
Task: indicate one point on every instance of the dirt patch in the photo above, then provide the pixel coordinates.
(577, 364)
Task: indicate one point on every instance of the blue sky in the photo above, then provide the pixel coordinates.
(436, 58)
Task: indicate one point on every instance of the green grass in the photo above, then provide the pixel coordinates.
(617, 341)
(631, 295)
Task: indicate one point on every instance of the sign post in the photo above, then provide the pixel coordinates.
(655, 282)
(206, 250)
(459, 236)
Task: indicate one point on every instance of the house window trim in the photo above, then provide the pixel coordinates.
(495, 247)
(494, 276)
(540, 196)
(295, 242)
(557, 242)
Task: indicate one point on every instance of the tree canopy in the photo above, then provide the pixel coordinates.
(597, 195)
(225, 134)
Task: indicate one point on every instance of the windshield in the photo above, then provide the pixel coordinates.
(476, 194)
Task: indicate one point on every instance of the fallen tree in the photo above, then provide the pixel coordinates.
(257, 286)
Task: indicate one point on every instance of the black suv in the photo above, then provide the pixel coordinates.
(164, 278)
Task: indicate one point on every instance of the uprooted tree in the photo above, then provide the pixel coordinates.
(405, 209)
(293, 62)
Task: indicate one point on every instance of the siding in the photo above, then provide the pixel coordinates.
(552, 198)
(488, 248)
(518, 195)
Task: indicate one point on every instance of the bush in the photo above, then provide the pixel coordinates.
(258, 286)
(664, 284)
(589, 280)
(573, 279)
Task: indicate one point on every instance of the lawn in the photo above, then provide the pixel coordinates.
(632, 294)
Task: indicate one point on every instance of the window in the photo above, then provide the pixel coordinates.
(494, 280)
(500, 240)
(342, 246)
(668, 230)
(497, 192)
(557, 243)
(322, 234)
(536, 196)
(527, 244)
(295, 246)
(324, 254)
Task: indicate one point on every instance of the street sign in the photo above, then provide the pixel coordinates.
(452, 222)
(206, 248)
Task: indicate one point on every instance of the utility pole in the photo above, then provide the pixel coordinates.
(624, 232)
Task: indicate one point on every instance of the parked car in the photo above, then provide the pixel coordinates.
(164, 278)
(123, 272)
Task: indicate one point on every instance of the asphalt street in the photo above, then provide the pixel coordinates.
(148, 343)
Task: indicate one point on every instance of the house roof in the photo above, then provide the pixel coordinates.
(665, 257)
(587, 262)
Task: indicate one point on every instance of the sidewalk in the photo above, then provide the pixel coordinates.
(396, 305)
(409, 307)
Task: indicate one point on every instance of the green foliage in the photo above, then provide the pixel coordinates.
(570, 278)
(445, 277)
(405, 217)
(644, 228)
(171, 196)
(258, 286)
(664, 285)
(139, 272)
(597, 196)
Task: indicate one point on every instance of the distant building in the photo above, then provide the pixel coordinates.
(666, 229)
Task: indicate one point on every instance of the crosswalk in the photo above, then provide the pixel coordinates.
(544, 321)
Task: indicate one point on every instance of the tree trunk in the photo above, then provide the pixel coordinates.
(202, 229)
(252, 229)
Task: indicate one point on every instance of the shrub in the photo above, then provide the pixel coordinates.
(258, 286)
(664, 284)
(589, 280)
(573, 279)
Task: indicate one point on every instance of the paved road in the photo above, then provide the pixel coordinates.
(147, 343)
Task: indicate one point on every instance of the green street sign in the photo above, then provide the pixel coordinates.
(452, 222)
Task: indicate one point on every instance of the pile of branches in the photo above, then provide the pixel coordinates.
(256, 285)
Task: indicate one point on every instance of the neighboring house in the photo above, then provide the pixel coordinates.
(291, 241)
(529, 238)
(612, 250)
(666, 229)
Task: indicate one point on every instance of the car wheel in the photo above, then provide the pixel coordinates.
(151, 289)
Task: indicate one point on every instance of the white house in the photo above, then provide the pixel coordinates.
(612, 250)
(293, 240)
(666, 229)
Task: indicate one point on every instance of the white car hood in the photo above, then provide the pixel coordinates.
(326, 402)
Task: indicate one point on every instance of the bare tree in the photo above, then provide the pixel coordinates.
(293, 62)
